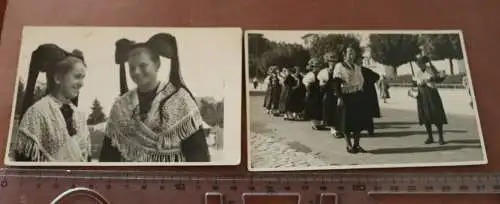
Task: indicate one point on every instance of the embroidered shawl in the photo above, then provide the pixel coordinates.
(352, 79)
(43, 135)
(154, 139)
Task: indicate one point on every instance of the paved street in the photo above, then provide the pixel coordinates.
(399, 139)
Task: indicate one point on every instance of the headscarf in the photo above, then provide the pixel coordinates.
(44, 59)
(161, 44)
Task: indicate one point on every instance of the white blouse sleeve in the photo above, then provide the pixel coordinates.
(338, 71)
(308, 79)
(323, 77)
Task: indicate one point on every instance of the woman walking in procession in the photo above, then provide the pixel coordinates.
(349, 88)
(53, 129)
(429, 105)
(285, 91)
(371, 100)
(157, 121)
(329, 98)
(313, 95)
(290, 85)
(267, 97)
(297, 95)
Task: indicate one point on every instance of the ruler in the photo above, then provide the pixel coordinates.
(132, 187)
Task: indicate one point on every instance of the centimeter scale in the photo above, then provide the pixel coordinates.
(58, 186)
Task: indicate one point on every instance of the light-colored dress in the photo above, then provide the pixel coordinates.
(158, 137)
(43, 135)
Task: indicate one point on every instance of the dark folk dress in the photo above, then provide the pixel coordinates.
(267, 97)
(297, 95)
(314, 100)
(330, 116)
(275, 92)
(194, 142)
(429, 104)
(371, 100)
(285, 90)
(289, 84)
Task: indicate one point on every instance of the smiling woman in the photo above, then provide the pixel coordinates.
(53, 129)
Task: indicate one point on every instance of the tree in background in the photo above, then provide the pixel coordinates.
(394, 49)
(285, 55)
(257, 45)
(334, 43)
(97, 115)
(442, 46)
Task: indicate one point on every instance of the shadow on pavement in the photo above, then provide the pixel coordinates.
(421, 149)
(464, 141)
(411, 133)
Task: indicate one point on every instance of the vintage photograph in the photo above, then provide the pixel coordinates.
(127, 96)
(351, 99)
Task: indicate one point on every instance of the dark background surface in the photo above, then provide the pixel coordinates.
(477, 19)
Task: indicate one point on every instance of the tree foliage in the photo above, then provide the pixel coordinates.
(394, 49)
(334, 43)
(285, 55)
(97, 115)
(442, 46)
(257, 45)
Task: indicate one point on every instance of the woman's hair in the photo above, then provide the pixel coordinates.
(353, 46)
(52, 60)
(161, 44)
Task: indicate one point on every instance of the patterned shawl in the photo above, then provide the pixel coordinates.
(352, 79)
(154, 139)
(43, 135)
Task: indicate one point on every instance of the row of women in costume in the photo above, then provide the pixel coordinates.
(343, 98)
(155, 122)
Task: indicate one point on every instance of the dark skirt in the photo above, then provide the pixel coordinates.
(285, 90)
(296, 100)
(267, 97)
(314, 104)
(430, 107)
(354, 113)
(273, 100)
(330, 115)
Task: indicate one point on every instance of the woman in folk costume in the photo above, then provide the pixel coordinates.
(297, 96)
(53, 129)
(383, 87)
(290, 85)
(329, 98)
(371, 100)
(285, 90)
(313, 95)
(429, 104)
(267, 97)
(349, 83)
(275, 91)
(157, 121)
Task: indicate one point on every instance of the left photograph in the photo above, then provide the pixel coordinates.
(127, 96)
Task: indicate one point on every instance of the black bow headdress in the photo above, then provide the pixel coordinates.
(161, 44)
(44, 59)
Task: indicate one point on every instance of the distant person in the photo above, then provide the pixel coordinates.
(383, 87)
(465, 83)
(255, 82)
(429, 104)
(267, 83)
(53, 129)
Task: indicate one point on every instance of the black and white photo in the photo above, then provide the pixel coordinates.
(348, 99)
(127, 96)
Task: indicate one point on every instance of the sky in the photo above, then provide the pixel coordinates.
(294, 36)
(204, 55)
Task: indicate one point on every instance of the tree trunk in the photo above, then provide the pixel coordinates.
(411, 67)
(452, 72)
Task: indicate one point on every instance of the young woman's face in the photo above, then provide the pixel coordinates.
(350, 54)
(143, 69)
(71, 82)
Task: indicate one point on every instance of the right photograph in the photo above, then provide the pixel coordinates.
(351, 99)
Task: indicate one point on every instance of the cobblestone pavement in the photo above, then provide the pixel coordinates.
(398, 141)
(271, 152)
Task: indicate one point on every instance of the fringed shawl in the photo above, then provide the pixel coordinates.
(43, 136)
(154, 139)
(351, 79)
